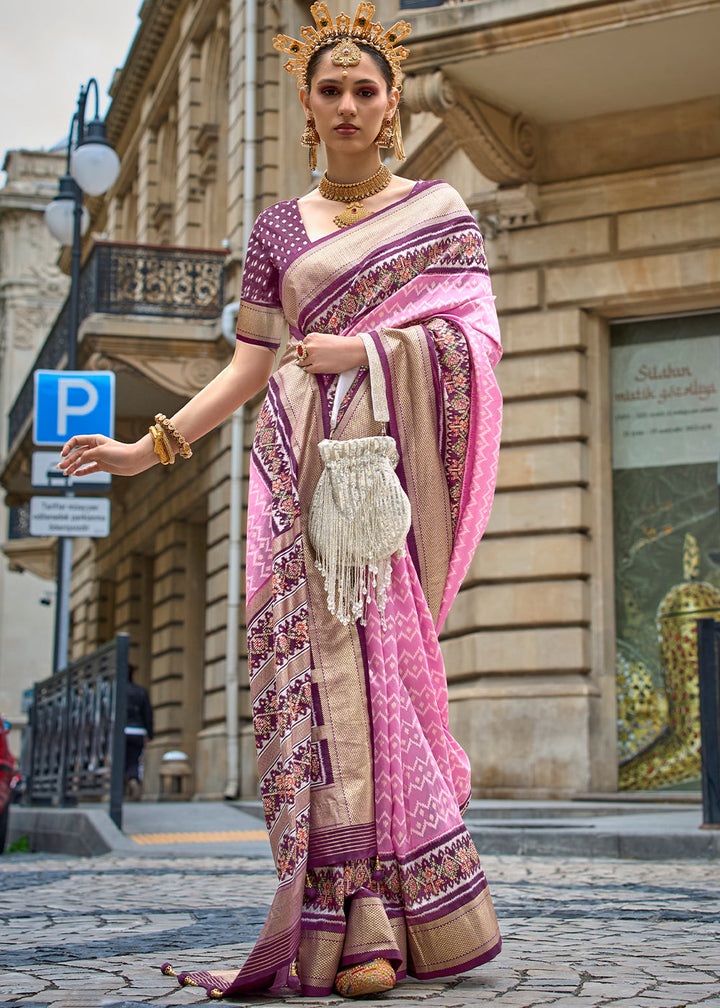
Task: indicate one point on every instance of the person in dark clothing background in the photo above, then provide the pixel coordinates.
(138, 727)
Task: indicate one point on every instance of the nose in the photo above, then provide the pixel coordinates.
(346, 106)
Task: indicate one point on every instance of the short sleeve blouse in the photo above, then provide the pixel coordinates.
(260, 318)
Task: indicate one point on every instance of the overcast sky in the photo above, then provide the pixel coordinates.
(48, 49)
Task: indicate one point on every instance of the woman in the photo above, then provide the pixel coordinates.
(362, 783)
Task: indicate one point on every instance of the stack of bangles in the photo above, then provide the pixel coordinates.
(161, 442)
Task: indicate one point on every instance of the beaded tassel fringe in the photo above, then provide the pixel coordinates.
(359, 518)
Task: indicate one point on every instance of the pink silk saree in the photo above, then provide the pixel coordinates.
(361, 780)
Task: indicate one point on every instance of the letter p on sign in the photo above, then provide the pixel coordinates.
(72, 402)
(77, 397)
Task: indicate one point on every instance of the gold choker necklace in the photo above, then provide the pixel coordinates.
(353, 193)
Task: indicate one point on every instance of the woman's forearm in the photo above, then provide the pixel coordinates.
(245, 375)
(243, 378)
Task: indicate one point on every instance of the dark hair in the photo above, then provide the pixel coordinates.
(379, 60)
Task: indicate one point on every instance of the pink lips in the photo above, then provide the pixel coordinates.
(346, 129)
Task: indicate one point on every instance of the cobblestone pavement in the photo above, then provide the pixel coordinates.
(91, 932)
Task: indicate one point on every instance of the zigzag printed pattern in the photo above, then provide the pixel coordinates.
(259, 549)
(421, 773)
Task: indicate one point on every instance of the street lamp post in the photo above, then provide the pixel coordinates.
(92, 167)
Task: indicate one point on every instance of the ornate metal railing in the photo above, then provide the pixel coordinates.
(122, 279)
(77, 722)
(709, 683)
(155, 280)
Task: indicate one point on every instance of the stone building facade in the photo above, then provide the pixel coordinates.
(598, 127)
(32, 288)
(586, 140)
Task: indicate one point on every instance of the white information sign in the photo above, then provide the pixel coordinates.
(70, 516)
(666, 403)
(45, 473)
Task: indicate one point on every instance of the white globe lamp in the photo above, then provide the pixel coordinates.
(60, 214)
(93, 163)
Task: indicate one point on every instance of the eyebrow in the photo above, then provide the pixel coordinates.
(336, 80)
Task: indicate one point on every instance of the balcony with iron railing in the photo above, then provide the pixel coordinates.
(130, 280)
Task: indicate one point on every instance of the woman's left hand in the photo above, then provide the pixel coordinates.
(327, 354)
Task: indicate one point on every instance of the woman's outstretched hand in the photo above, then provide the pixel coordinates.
(90, 453)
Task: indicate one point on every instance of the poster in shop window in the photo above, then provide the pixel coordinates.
(665, 409)
(666, 403)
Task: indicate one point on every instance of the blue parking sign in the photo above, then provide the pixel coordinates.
(72, 402)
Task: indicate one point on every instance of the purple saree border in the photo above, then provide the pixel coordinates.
(427, 848)
(242, 338)
(441, 906)
(464, 967)
(283, 425)
(283, 432)
(281, 950)
(342, 843)
(432, 232)
(321, 750)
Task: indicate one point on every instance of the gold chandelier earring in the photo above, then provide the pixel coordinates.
(311, 140)
(397, 139)
(385, 136)
(391, 136)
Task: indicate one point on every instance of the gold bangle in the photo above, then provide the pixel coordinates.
(161, 445)
(185, 449)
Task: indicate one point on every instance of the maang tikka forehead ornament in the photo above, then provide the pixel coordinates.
(346, 33)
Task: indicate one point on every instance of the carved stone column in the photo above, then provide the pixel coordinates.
(501, 144)
(501, 210)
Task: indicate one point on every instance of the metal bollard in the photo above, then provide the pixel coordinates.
(708, 631)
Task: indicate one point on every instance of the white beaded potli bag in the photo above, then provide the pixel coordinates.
(360, 514)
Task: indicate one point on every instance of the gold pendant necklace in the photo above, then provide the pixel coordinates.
(353, 193)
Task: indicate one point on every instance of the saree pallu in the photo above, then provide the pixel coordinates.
(362, 782)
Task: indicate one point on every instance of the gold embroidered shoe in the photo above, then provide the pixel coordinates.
(367, 978)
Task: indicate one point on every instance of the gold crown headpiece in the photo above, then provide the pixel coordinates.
(345, 32)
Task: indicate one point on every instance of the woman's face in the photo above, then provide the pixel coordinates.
(349, 111)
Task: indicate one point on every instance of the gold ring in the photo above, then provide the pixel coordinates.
(302, 351)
